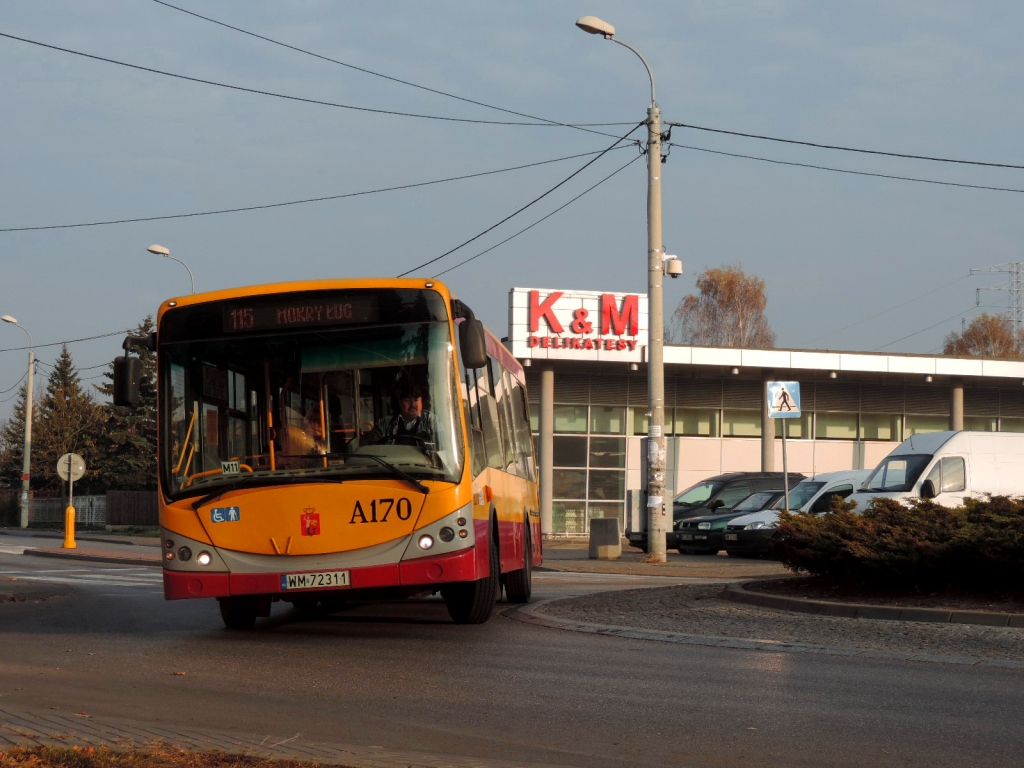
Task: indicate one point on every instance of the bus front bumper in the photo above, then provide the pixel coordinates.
(422, 571)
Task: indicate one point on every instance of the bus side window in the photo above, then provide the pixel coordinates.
(521, 426)
(508, 437)
(474, 426)
(489, 415)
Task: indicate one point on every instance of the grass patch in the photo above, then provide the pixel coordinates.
(154, 756)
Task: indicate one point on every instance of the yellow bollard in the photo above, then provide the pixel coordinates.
(69, 528)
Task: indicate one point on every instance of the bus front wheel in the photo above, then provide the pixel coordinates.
(473, 602)
(238, 612)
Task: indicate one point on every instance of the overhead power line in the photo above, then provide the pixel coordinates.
(846, 170)
(933, 325)
(841, 148)
(544, 218)
(304, 200)
(5, 391)
(886, 311)
(523, 208)
(274, 94)
(66, 341)
(579, 126)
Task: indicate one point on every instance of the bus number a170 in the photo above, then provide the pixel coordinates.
(378, 510)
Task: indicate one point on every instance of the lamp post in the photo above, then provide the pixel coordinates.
(159, 250)
(26, 459)
(657, 521)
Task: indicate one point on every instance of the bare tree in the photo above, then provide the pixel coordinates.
(986, 336)
(728, 311)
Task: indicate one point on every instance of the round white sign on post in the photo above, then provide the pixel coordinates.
(70, 466)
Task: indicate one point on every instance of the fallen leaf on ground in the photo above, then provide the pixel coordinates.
(179, 673)
(82, 714)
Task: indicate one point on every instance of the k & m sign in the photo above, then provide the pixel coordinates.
(577, 325)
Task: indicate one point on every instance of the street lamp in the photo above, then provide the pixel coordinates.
(657, 525)
(159, 250)
(26, 459)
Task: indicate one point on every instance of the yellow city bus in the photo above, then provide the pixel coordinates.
(338, 440)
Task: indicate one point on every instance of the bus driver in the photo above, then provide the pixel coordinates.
(411, 424)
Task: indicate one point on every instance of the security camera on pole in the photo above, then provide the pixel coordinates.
(658, 264)
(70, 467)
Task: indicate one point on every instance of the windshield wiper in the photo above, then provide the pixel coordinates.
(398, 472)
(254, 479)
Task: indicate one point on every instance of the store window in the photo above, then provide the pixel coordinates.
(918, 424)
(569, 484)
(1009, 424)
(741, 423)
(639, 420)
(835, 426)
(981, 423)
(570, 418)
(796, 429)
(697, 422)
(607, 452)
(569, 451)
(569, 516)
(607, 420)
(881, 426)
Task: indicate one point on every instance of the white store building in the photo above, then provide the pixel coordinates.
(585, 359)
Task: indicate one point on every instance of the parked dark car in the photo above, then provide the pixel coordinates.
(719, 493)
(706, 535)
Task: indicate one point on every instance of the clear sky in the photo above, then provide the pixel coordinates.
(84, 141)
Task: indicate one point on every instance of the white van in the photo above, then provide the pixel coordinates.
(748, 535)
(949, 468)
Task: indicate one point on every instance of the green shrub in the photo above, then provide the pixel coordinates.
(893, 545)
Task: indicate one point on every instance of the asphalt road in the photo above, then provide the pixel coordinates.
(403, 676)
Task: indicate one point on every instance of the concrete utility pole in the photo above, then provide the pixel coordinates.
(658, 520)
(26, 459)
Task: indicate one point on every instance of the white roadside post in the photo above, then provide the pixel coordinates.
(783, 403)
(70, 467)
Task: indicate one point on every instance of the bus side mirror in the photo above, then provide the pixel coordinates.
(127, 380)
(473, 343)
(928, 490)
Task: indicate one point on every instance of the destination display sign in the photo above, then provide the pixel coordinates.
(300, 313)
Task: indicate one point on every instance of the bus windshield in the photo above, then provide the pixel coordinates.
(314, 404)
(897, 473)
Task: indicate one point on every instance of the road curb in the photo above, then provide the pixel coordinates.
(738, 594)
(528, 614)
(72, 554)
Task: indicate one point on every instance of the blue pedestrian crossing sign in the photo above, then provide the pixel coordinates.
(784, 399)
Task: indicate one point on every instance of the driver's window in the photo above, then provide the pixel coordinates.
(953, 474)
(733, 495)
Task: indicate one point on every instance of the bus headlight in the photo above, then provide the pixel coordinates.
(204, 558)
(446, 534)
(184, 554)
(426, 541)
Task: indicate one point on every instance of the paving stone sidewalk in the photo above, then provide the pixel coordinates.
(97, 555)
(26, 728)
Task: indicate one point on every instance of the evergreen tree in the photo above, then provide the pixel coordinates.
(126, 440)
(67, 422)
(12, 442)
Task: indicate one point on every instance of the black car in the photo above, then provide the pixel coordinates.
(719, 493)
(706, 535)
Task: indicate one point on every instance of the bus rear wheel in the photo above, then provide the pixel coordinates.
(519, 583)
(473, 602)
(238, 612)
